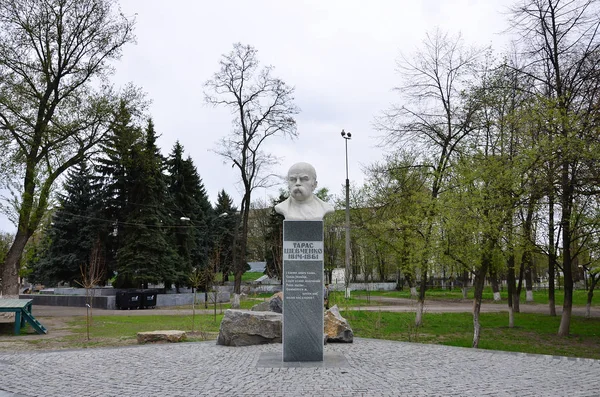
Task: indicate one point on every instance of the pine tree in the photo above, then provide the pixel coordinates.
(73, 231)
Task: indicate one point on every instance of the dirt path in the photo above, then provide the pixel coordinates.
(463, 306)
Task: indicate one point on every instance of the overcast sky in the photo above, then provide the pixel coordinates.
(339, 55)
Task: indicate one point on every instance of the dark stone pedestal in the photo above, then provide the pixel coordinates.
(302, 291)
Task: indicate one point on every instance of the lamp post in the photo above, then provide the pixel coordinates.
(347, 136)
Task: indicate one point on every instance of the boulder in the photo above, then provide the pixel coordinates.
(245, 328)
(337, 328)
(276, 303)
(262, 307)
(161, 336)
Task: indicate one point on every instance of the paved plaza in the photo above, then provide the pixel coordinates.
(368, 367)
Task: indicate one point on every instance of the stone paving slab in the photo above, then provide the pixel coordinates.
(275, 360)
(374, 368)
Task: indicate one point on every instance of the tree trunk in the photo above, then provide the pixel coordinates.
(495, 285)
(529, 295)
(419, 314)
(565, 221)
(551, 256)
(239, 263)
(465, 286)
(413, 289)
(478, 284)
(590, 295)
(10, 270)
(510, 280)
(236, 301)
(476, 324)
(511, 317)
(421, 299)
(519, 288)
(527, 259)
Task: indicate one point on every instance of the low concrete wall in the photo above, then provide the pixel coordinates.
(251, 289)
(105, 291)
(109, 302)
(100, 302)
(364, 287)
(163, 300)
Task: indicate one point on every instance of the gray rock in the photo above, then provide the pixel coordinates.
(276, 303)
(337, 328)
(262, 307)
(245, 328)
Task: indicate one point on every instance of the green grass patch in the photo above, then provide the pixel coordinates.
(533, 333)
(248, 276)
(126, 327)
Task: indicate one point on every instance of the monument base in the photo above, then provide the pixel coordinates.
(273, 360)
(303, 291)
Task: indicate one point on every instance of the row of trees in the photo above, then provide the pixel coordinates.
(493, 162)
(496, 160)
(55, 103)
(57, 108)
(148, 217)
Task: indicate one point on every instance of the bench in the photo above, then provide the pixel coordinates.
(22, 310)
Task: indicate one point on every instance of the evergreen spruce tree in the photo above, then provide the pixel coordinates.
(192, 212)
(274, 240)
(74, 229)
(113, 179)
(145, 255)
(225, 233)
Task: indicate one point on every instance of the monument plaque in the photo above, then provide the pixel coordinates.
(302, 291)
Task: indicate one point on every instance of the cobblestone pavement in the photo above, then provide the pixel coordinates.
(371, 368)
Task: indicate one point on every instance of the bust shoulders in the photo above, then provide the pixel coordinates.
(310, 210)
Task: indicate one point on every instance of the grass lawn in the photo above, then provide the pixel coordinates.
(248, 276)
(124, 327)
(533, 333)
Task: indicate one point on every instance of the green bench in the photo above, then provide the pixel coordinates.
(22, 310)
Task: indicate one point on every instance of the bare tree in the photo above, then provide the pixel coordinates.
(433, 119)
(561, 43)
(50, 116)
(262, 107)
(92, 273)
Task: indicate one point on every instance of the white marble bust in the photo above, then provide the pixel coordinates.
(303, 205)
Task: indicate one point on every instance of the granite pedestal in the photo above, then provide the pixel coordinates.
(302, 291)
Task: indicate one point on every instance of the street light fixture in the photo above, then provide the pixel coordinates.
(347, 136)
